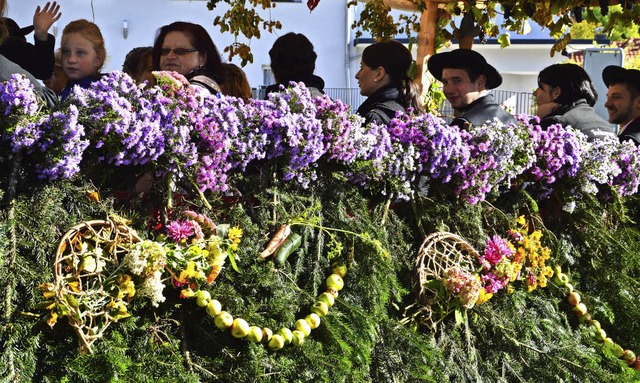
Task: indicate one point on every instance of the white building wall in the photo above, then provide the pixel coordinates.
(326, 27)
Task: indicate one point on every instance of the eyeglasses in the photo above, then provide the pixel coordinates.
(177, 51)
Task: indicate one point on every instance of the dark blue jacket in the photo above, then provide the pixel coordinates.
(84, 82)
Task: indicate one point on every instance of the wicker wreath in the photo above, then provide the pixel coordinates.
(439, 251)
(85, 256)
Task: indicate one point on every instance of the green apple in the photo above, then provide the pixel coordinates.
(254, 334)
(276, 342)
(562, 279)
(239, 328)
(629, 357)
(320, 308)
(314, 320)
(584, 319)
(223, 320)
(333, 292)
(615, 348)
(298, 337)
(286, 335)
(267, 333)
(601, 335)
(303, 326)
(214, 307)
(580, 309)
(595, 324)
(202, 298)
(341, 270)
(574, 298)
(327, 298)
(335, 281)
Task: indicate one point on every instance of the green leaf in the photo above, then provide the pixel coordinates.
(459, 317)
(504, 40)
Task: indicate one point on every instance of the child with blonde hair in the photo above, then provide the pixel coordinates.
(83, 54)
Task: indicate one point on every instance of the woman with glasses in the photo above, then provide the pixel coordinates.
(187, 48)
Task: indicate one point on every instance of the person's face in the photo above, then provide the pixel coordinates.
(545, 93)
(187, 60)
(621, 105)
(369, 79)
(146, 74)
(57, 81)
(459, 89)
(79, 57)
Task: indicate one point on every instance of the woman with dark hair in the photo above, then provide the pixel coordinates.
(566, 95)
(293, 59)
(187, 48)
(384, 78)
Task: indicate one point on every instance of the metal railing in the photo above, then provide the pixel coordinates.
(514, 102)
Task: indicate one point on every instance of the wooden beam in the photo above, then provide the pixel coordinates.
(426, 40)
(403, 5)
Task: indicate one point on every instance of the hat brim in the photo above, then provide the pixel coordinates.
(26, 30)
(464, 58)
(614, 74)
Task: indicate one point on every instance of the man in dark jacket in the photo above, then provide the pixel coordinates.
(466, 78)
(623, 101)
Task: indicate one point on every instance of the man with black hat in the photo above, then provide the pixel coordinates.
(623, 101)
(37, 58)
(466, 78)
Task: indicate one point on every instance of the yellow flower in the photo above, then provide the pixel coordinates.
(523, 225)
(235, 233)
(187, 293)
(53, 318)
(126, 286)
(74, 286)
(483, 296)
(190, 272)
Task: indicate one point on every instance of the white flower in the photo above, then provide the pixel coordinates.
(152, 288)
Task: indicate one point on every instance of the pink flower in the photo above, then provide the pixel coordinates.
(179, 230)
(496, 249)
(492, 283)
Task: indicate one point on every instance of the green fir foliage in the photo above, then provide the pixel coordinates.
(514, 337)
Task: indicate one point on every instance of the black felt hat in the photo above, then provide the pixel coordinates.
(462, 59)
(14, 29)
(614, 74)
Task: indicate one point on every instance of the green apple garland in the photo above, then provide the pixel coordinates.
(240, 328)
(581, 311)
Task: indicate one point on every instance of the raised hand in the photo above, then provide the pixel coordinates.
(43, 19)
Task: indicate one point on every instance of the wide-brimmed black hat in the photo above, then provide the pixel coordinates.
(14, 29)
(614, 74)
(463, 59)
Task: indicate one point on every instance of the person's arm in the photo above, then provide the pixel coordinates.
(43, 19)
(42, 59)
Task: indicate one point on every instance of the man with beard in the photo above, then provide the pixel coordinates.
(623, 101)
(466, 79)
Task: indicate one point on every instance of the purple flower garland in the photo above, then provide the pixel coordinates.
(176, 130)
